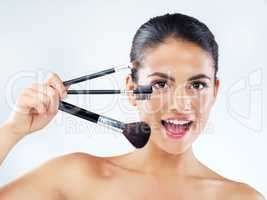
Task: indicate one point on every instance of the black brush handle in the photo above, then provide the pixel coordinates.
(94, 91)
(88, 77)
(79, 112)
(147, 89)
(91, 116)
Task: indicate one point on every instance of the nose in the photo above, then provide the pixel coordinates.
(180, 101)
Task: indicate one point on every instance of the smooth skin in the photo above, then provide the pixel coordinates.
(164, 169)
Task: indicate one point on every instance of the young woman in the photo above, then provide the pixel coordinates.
(178, 56)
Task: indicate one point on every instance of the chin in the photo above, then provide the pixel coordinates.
(172, 148)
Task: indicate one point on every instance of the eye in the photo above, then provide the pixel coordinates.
(198, 85)
(160, 84)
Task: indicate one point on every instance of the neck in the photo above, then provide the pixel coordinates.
(153, 160)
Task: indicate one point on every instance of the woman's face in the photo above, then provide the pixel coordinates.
(184, 90)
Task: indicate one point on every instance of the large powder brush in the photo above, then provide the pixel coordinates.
(137, 133)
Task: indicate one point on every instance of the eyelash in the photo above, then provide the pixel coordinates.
(154, 83)
(157, 82)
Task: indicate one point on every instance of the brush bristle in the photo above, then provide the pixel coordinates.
(137, 133)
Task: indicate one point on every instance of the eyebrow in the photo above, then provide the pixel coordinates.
(163, 75)
(166, 76)
(199, 76)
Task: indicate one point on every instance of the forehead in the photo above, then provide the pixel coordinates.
(178, 58)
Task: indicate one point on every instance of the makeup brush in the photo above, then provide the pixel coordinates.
(137, 133)
(140, 93)
(97, 74)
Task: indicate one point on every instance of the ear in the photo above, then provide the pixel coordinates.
(130, 85)
(216, 87)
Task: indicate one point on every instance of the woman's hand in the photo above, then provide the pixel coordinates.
(36, 106)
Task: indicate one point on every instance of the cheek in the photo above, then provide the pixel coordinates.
(155, 106)
(151, 111)
(202, 103)
(202, 106)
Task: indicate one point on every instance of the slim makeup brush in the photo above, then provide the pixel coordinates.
(137, 133)
(97, 74)
(140, 93)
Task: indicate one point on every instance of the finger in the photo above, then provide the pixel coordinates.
(50, 94)
(41, 89)
(31, 102)
(54, 97)
(55, 81)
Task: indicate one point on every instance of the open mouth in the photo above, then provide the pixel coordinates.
(176, 128)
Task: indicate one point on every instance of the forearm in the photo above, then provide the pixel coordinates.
(8, 139)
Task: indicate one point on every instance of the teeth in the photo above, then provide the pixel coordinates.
(178, 122)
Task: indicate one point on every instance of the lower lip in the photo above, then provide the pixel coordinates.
(175, 135)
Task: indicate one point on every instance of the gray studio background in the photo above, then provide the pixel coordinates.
(73, 38)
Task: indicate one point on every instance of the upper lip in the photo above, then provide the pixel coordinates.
(181, 118)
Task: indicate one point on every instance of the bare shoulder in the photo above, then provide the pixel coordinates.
(55, 178)
(69, 166)
(243, 191)
(229, 189)
(77, 161)
(233, 190)
(80, 167)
